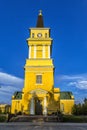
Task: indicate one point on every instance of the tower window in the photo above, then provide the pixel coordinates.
(45, 35)
(39, 51)
(32, 35)
(38, 79)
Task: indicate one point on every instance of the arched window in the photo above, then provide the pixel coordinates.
(45, 35)
(32, 35)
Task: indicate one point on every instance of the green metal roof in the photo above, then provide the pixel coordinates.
(18, 95)
(66, 95)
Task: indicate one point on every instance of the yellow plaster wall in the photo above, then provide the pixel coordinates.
(5, 108)
(66, 106)
(30, 79)
(16, 106)
(39, 62)
(39, 41)
(40, 30)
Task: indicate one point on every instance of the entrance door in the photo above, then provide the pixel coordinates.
(38, 107)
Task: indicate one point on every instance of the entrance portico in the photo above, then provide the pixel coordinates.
(38, 102)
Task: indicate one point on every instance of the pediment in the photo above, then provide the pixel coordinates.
(38, 91)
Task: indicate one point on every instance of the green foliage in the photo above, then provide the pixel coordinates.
(80, 109)
(76, 119)
(3, 118)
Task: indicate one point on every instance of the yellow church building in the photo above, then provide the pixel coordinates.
(39, 96)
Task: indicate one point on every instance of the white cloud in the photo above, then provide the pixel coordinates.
(8, 89)
(72, 77)
(10, 79)
(79, 84)
(79, 81)
(8, 85)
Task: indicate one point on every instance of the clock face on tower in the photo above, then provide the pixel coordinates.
(39, 34)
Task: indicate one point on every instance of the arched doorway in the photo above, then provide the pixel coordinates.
(38, 107)
(38, 97)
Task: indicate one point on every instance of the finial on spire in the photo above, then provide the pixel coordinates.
(40, 12)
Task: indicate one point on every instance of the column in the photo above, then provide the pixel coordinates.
(34, 51)
(29, 52)
(49, 51)
(62, 107)
(45, 106)
(43, 51)
(32, 106)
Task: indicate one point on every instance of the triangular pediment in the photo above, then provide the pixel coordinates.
(38, 91)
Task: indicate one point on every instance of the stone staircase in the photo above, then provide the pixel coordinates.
(35, 118)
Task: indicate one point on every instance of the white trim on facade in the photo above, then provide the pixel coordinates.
(45, 106)
(32, 106)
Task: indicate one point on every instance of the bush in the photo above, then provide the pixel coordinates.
(75, 119)
(3, 118)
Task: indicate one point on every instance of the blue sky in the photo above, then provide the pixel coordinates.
(68, 22)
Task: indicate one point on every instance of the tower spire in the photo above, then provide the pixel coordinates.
(40, 23)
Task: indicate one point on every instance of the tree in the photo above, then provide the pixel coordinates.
(80, 109)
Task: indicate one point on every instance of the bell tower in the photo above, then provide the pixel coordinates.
(39, 96)
(39, 67)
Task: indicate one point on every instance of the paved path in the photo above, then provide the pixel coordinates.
(43, 126)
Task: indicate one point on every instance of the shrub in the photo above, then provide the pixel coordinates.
(76, 119)
(2, 118)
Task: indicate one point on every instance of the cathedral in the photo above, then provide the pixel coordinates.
(39, 95)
